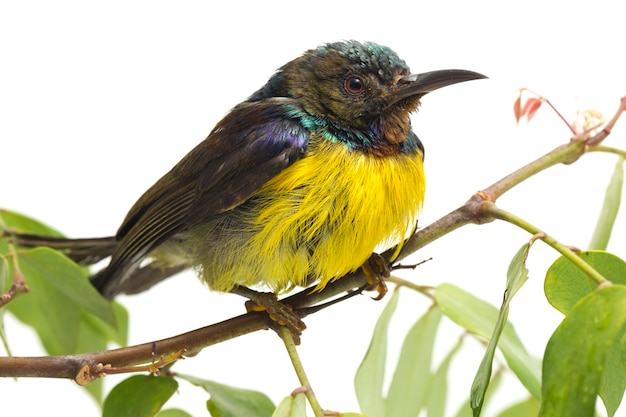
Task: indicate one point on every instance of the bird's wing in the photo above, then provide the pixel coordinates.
(252, 144)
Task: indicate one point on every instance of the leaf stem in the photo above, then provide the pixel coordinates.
(290, 345)
(608, 149)
(18, 287)
(564, 250)
(422, 289)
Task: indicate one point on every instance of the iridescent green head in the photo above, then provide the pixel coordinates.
(358, 86)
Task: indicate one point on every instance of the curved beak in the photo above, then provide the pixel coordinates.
(421, 84)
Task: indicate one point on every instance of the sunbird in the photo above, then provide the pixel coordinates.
(297, 185)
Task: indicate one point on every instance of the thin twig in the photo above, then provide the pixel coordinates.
(287, 338)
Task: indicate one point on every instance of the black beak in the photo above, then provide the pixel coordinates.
(421, 84)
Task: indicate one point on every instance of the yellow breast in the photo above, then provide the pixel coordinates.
(325, 215)
(317, 220)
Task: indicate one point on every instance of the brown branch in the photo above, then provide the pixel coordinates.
(16, 289)
(84, 368)
(606, 131)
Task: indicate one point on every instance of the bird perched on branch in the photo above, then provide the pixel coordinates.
(296, 185)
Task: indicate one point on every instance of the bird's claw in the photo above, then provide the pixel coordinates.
(376, 269)
(280, 313)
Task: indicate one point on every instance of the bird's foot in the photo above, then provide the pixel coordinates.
(280, 313)
(376, 269)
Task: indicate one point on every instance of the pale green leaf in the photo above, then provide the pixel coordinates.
(409, 385)
(438, 386)
(525, 408)
(517, 274)
(610, 208)
(291, 406)
(480, 317)
(368, 381)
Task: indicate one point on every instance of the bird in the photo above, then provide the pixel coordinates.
(297, 185)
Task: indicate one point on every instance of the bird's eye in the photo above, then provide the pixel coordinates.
(354, 85)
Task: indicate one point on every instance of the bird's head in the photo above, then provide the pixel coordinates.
(358, 86)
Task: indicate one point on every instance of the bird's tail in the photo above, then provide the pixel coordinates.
(112, 280)
(83, 251)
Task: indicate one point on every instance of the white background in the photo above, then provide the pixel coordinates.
(97, 101)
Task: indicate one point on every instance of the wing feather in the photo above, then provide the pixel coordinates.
(252, 144)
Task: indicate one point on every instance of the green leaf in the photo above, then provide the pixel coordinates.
(62, 287)
(55, 268)
(438, 386)
(291, 406)
(466, 409)
(14, 221)
(482, 377)
(4, 271)
(577, 353)
(613, 381)
(480, 317)
(24, 224)
(566, 284)
(139, 396)
(104, 330)
(368, 381)
(517, 274)
(407, 391)
(526, 408)
(227, 401)
(173, 412)
(608, 213)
